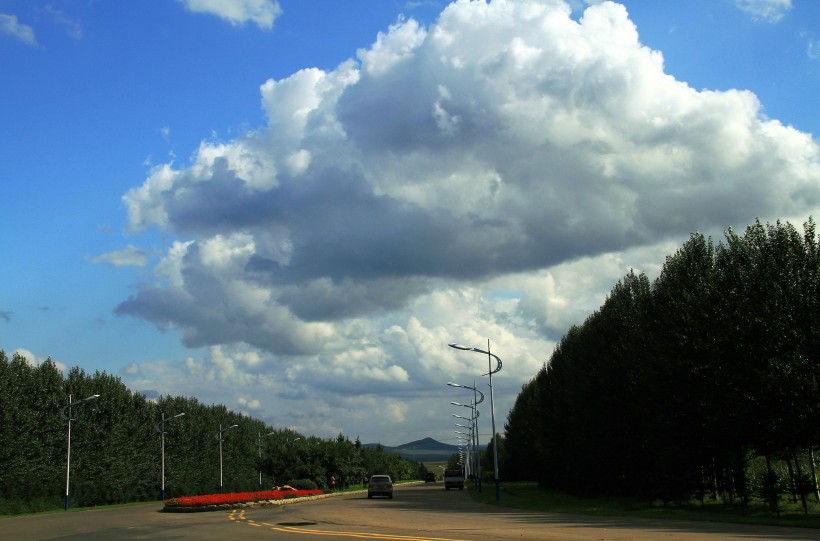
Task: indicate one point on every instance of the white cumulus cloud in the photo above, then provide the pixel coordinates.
(489, 176)
(263, 13)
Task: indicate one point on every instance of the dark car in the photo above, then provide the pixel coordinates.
(430, 477)
(380, 485)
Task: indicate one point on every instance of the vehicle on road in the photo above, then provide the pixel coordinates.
(380, 485)
(453, 478)
(430, 477)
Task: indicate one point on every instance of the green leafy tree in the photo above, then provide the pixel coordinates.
(685, 381)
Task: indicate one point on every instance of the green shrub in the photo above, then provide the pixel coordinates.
(303, 484)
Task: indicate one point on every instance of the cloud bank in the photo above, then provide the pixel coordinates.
(492, 175)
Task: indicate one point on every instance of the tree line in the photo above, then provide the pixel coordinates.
(116, 447)
(701, 384)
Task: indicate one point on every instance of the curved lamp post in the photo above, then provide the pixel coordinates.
(219, 437)
(478, 398)
(490, 373)
(65, 413)
(471, 449)
(161, 430)
(471, 446)
(259, 445)
(476, 454)
(466, 438)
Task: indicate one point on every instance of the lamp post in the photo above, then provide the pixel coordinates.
(474, 417)
(65, 413)
(476, 401)
(471, 448)
(466, 438)
(219, 437)
(490, 373)
(161, 430)
(259, 445)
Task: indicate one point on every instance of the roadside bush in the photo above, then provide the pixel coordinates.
(303, 484)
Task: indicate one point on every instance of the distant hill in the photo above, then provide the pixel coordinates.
(428, 444)
(424, 450)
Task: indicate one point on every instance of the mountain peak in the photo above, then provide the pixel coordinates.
(427, 443)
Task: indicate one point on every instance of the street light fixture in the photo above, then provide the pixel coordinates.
(474, 406)
(466, 439)
(476, 402)
(473, 428)
(161, 430)
(471, 406)
(219, 437)
(259, 445)
(490, 373)
(65, 413)
(474, 418)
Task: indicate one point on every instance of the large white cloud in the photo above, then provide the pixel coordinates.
(490, 176)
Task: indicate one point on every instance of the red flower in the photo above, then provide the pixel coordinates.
(238, 497)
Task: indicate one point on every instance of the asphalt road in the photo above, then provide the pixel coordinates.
(417, 512)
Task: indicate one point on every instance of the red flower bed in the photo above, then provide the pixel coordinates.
(238, 497)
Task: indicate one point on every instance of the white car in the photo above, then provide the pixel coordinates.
(380, 485)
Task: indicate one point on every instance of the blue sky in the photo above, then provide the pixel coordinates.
(292, 207)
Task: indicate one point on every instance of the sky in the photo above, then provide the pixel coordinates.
(293, 207)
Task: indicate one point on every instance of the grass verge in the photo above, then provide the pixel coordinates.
(530, 497)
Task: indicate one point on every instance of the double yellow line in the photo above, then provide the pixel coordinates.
(239, 516)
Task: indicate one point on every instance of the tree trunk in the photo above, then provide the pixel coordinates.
(801, 484)
(739, 471)
(791, 478)
(770, 486)
(814, 474)
(714, 481)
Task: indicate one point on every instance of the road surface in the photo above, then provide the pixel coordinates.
(417, 512)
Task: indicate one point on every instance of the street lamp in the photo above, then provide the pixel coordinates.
(65, 413)
(490, 373)
(476, 401)
(467, 440)
(474, 444)
(469, 434)
(161, 430)
(219, 437)
(259, 445)
(475, 390)
(477, 457)
(474, 413)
